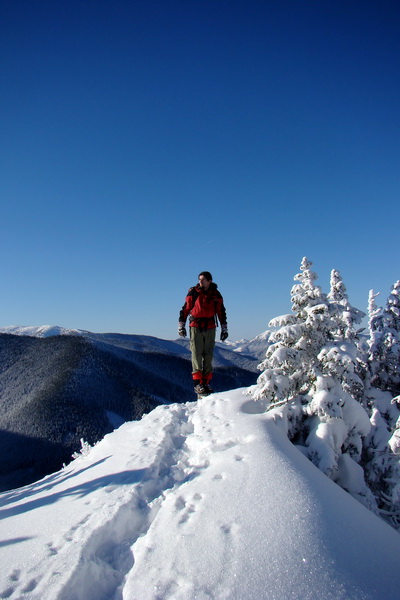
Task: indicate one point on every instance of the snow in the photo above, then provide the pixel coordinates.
(40, 331)
(257, 346)
(204, 500)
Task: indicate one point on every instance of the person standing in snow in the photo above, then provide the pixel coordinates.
(203, 304)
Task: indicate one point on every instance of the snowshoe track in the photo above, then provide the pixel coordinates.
(106, 556)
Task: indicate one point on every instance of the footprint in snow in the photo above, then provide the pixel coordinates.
(188, 508)
(7, 593)
(15, 575)
(52, 549)
(14, 578)
(30, 586)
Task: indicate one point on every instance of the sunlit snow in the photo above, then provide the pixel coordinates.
(204, 500)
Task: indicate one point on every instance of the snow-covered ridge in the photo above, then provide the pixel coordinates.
(41, 331)
(202, 500)
(257, 346)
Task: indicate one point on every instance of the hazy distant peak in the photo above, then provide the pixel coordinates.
(40, 331)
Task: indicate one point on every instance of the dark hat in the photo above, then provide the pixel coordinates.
(206, 274)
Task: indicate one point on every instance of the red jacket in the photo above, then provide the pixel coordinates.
(203, 306)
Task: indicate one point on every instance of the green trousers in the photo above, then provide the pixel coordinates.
(202, 348)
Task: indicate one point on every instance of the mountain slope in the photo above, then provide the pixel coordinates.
(200, 500)
(244, 354)
(55, 390)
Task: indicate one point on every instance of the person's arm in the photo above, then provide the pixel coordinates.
(221, 312)
(184, 312)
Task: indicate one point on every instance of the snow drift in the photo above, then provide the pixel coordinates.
(205, 500)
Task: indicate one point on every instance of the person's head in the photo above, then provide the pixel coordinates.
(205, 278)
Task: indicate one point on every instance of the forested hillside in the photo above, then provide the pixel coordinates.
(54, 391)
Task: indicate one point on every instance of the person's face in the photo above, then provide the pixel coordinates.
(204, 283)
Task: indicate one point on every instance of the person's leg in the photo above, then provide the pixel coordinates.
(209, 344)
(197, 350)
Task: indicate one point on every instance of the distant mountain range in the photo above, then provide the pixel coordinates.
(58, 386)
(255, 347)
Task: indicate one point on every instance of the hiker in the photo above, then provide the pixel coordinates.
(204, 305)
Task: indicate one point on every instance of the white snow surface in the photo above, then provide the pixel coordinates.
(40, 331)
(204, 500)
(257, 346)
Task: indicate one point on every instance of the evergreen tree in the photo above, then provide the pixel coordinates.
(292, 354)
(392, 498)
(337, 392)
(346, 316)
(375, 328)
(311, 370)
(384, 344)
(394, 440)
(382, 453)
(345, 350)
(391, 340)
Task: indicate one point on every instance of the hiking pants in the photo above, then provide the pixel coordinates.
(202, 347)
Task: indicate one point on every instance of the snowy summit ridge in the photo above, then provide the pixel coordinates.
(41, 330)
(200, 500)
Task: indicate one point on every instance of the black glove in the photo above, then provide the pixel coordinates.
(224, 333)
(182, 330)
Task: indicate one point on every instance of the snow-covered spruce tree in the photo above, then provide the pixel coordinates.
(382, 454)
(286, 369)
(337, 397)
(346, 316)
(381, 461)
(375, 330)
(393, 497)
(387, 348)
(311, 372)
(346, 348)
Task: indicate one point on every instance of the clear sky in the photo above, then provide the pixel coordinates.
(145, 141)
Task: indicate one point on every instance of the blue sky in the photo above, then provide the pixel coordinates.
(145, 141)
